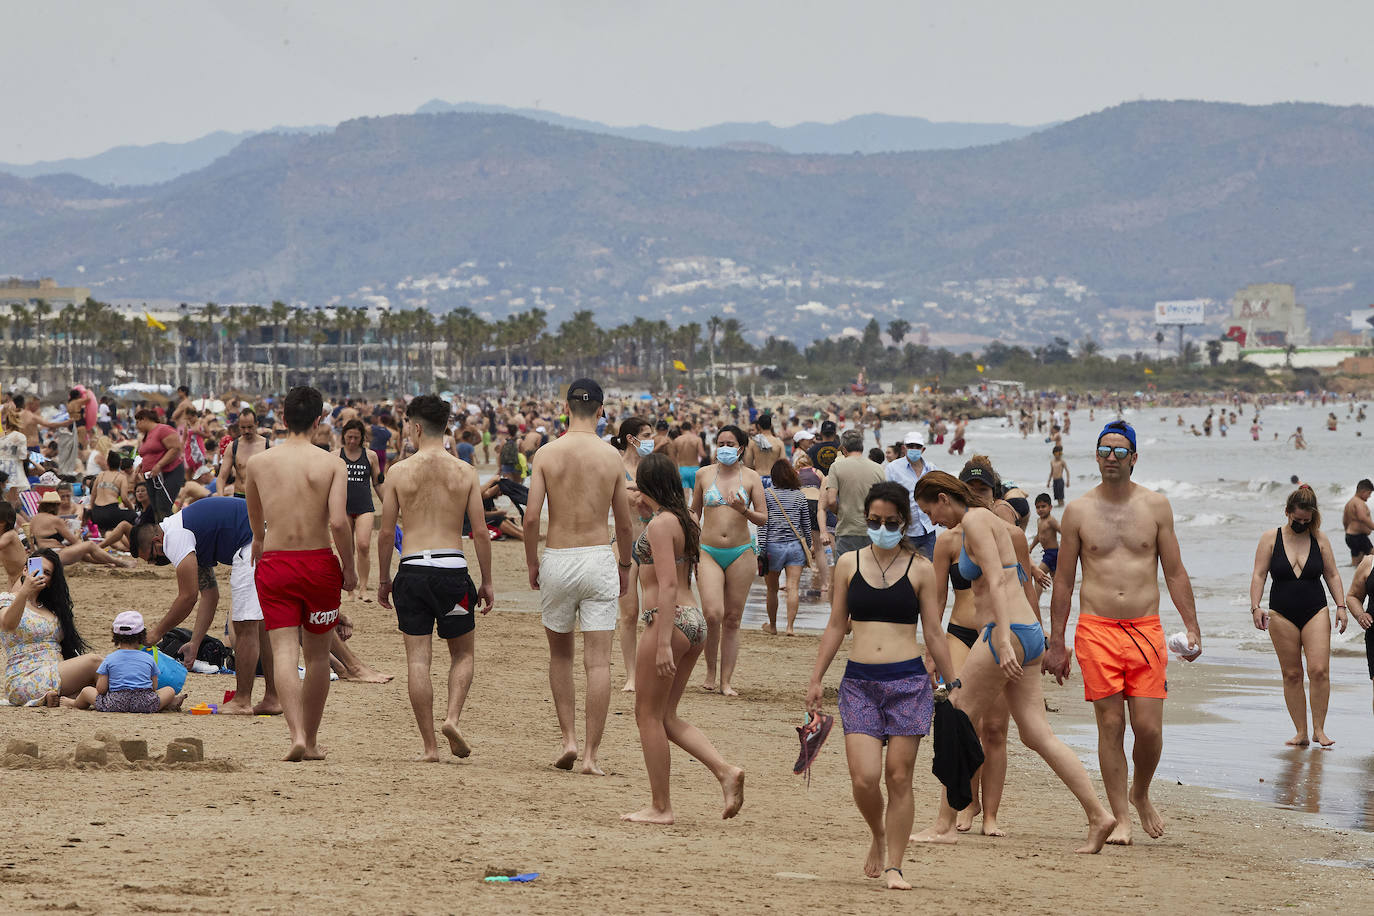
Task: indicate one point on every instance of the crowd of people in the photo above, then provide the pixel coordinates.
(656, 518)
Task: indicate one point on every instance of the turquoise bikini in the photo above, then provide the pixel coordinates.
(724, 556)
(1031, 635)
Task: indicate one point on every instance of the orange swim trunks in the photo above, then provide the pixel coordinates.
(1121, 656)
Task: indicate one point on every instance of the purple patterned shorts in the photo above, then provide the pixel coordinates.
(886, 700)
(142, 700)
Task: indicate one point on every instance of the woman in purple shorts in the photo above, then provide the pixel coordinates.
(885, 696)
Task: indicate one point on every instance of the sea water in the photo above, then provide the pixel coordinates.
(1225, 492)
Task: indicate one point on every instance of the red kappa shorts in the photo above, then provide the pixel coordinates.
(299, 588)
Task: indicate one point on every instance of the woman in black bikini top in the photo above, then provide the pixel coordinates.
(1298, 558)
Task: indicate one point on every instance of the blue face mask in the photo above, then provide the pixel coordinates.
(914, 454)
(884, 538)
(727, 454)
(645, 448)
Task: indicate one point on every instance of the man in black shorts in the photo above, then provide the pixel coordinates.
(432, 492)
(1357, 523)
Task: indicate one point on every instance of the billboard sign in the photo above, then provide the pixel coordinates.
(1362, 319)
(1181, 312)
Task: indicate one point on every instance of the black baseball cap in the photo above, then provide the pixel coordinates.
(584, 389)
(828, 428)
(981, 474)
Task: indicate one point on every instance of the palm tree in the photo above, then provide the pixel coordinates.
(713, 325)
(210, 314)
(278, 314)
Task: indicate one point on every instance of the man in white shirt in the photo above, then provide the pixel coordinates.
(908, 472)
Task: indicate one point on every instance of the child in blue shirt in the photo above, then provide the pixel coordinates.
(126, 680)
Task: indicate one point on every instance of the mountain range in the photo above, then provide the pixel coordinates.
(1071, 231)
(872, 133)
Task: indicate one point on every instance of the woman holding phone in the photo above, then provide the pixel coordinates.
(45, 656)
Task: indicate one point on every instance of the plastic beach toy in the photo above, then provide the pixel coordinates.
(517, 879)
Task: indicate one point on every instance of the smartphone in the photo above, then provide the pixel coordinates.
(35, 566)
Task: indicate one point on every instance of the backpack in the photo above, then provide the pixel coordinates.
(509, 453)
(211, 651)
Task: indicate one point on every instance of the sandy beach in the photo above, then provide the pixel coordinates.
(369, 831)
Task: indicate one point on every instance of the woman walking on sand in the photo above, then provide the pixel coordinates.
(674, 634)
(882, 591)
(635, 441)
(1298, 558)
(988, 560)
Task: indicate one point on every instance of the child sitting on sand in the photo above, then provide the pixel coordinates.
(126, 680)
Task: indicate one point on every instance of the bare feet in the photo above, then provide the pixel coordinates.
(733, 787)
(790, 632)
(895, 881)
(728, 691)
(566, 760)
(237, 707)
(650, 815)
(1322, 739)
(456, 744)
(428, 757)
(1298, 740)
(296, 754)
(265, 707)
(770, 628)
(629, 686)
(990, 827)
(365, 675)
(709, 686)
(932, 835)
(317, 752)
(1121, 835)
(1150, 819)
(1099, 828)
(52, 698)
(590, 768)
(963, 820)
(873, 864)
(175, 705)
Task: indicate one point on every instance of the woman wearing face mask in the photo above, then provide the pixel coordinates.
(635, 440)
(885, 695)
(726, 498)
(1298, 557)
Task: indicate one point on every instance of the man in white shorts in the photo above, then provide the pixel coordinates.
(577, 578)
(207, 532)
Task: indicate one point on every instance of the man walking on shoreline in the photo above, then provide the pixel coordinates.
(432, 492)
(1123, 534)
(297, 501)
(577, 577)
(908, 471)
(1357, 523)
(846, 488)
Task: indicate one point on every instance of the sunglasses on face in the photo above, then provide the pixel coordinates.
(1120, 451)
(891, 524)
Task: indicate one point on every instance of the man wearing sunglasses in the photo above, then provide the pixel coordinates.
(1123, 533)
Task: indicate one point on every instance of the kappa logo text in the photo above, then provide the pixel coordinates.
(323, 618)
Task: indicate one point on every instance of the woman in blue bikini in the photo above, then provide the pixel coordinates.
(727, 497)
(987, 559)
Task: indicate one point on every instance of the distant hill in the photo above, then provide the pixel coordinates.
(1074, 230)
(870, 133)
(155, 163)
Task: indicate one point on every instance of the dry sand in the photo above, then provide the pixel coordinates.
(369, 831)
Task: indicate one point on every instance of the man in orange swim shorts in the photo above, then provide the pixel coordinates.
(1123, 533)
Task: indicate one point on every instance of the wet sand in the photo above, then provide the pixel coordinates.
(368, 831)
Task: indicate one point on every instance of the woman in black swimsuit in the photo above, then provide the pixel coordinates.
(362, 478)
(1298, 557)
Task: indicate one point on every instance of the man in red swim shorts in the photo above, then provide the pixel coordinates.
(1122, 533)
(297, 500)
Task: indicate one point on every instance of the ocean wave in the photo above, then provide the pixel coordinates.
(1206, 519)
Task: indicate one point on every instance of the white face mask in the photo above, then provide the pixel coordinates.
(645, 448)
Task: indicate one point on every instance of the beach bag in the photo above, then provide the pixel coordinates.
(170, 671)
(211, 650)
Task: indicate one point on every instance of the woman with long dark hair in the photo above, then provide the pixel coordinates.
(674, 634)
(727, 497)
(635, 442)
(362, 480)
(1298, 558)
(45, 656)
(785, 541)
(1010, 637)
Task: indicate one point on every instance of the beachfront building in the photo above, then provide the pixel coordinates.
(1267, 315)
(29, 293)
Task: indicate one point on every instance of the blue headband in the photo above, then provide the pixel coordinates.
(1120, 428)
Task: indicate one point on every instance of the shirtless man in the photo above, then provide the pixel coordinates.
(245, 446)
(764, 448)
(583, 479)
(432, 492)
(1357, 523)
(29, 420)
(12, 552)
(296, 502)
(687, 452)
(1047, 536)
(1122, 533)
(1059, 475)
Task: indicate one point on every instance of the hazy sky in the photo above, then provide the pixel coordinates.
(80, 77)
